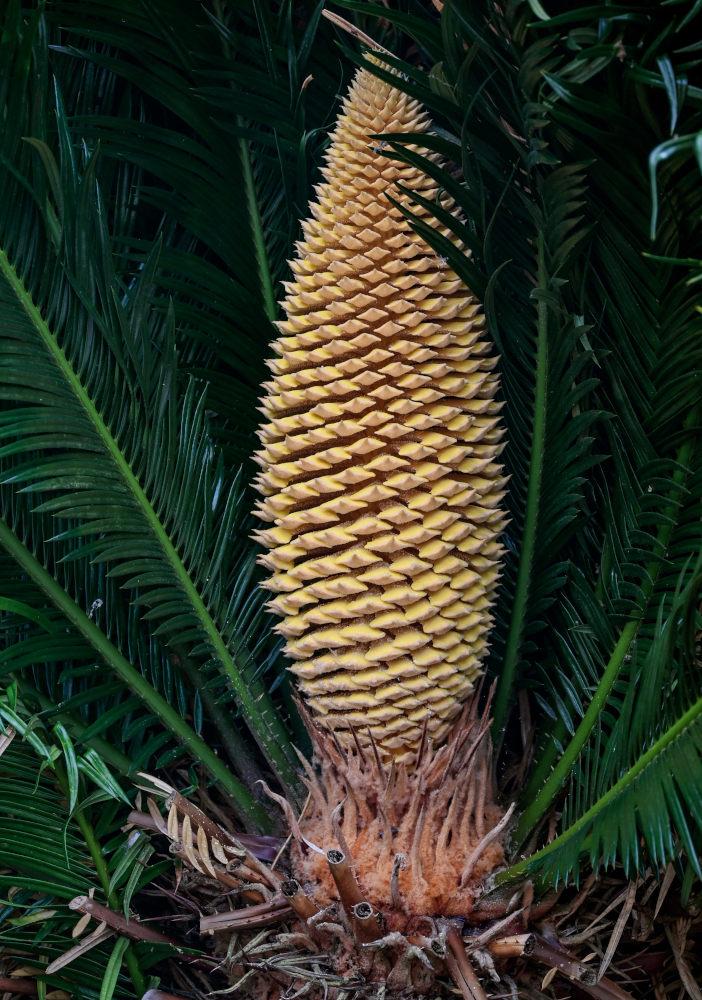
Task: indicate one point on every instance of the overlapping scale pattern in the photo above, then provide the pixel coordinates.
(379, 451)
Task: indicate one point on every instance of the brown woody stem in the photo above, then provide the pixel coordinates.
(512, 946)
(298, 899)
(462, 972)
(345, 880)
(128, 928)
(553, 953)
(365, 923)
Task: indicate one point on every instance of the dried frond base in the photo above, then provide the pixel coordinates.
(382, 893)
(384, 855)
(420, 840)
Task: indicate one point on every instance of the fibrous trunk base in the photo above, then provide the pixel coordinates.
(420, 842)
(382, 892)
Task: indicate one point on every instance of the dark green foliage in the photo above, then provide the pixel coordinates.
(60, 809)
(106, 439)
(155, 161)
(208, 108)
(598, 325)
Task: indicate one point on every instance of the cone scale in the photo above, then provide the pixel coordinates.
(379, 451)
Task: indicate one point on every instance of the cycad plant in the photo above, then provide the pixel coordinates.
(156, 161)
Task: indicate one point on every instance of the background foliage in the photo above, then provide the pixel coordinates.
(155, 160)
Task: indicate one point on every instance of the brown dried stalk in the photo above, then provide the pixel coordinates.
(298, 899)
(352, 30)
(128, 928)
(25, 987)
(186, 808)
(513, 946)
(459, 965)
(222, 842)
(553, 954)
(365, 923)
(345, 880)
(619, 926)
(185, 849)
(247, 918)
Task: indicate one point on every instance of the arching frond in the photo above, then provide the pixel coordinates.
(591, 318)
(65, 808)
(98, 434)
(219, 132)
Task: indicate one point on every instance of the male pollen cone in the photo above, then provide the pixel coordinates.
(379, 451)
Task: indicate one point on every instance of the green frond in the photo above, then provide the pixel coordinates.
(112, 450)
(113, 658)
(648, 816)
(646, 497)
(219, 136)
(64, 808)
(600, 373)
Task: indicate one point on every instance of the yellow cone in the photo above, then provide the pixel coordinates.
(379, 451)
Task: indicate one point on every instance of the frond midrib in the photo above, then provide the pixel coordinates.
(129, 674)
(665, 740)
